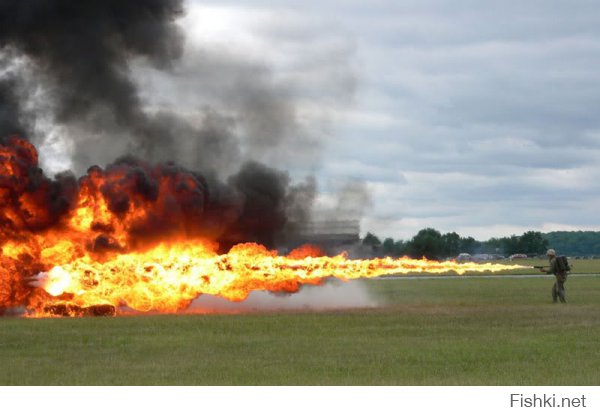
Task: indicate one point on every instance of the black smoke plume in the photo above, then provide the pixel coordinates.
(84, 49)
(83, 60)
(9, 110)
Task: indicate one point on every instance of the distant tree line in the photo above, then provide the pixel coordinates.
(432, 244)
(575, 243)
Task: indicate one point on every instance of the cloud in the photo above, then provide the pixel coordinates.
(498, 104)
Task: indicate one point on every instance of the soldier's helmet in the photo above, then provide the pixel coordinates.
(551, 252)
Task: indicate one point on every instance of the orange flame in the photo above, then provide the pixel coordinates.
(168, 277)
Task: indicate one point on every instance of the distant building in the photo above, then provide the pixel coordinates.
(325, 234)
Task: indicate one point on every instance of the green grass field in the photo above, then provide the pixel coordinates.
(460, 331)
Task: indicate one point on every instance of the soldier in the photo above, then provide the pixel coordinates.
(558, 290)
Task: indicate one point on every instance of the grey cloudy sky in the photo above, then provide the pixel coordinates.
(473, 116)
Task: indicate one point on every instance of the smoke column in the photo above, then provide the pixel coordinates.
(83, 49)
(81, 54)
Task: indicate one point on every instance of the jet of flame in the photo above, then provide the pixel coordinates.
(168, 277)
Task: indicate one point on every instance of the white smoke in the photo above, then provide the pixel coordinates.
(333, 294)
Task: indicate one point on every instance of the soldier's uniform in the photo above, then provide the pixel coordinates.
(558, 290)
